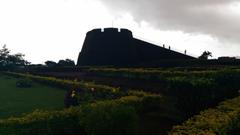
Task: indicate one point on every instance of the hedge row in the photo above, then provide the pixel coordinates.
(148, 74)
(85, 92)
(191, 95)
(194, 95)
(219, 121)
(98, 91)
(62, 83)
(192, 91)
(118, 117)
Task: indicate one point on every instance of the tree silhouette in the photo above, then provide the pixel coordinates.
(50, 64)
(205, 55)
(66, 62)
(11, 61)
(4, 53)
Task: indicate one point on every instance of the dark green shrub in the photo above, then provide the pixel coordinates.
(228, 79)
(192, 95)
(24, 83)
(108, 118)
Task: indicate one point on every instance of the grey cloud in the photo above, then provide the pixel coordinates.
(190, 16)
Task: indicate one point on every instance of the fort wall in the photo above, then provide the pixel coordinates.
(117, 47)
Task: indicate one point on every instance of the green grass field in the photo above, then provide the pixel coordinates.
(17, 101)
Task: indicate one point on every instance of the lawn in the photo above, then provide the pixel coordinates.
(17, 101)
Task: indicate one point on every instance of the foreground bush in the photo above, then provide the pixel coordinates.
(219, 121)
(108, 119)
(43, 122)
(112, 117)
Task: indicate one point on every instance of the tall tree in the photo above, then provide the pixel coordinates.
(11, 61)
(4, 54)
(66, 62)
(205, 55)
(50, 63)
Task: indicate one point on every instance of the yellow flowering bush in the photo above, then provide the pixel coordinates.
(219, 121)
(111, 117)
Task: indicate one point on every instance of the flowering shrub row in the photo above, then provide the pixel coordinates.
(118, 117)
(219, 121)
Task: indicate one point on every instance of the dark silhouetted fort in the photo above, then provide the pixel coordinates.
(118, 47)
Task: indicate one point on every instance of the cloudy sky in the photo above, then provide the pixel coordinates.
(55, 29)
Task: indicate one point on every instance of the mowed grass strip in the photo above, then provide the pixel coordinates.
(17, 101)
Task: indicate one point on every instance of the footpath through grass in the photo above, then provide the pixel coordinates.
(16, 101)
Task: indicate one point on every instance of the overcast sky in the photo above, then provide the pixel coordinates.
(55, 29)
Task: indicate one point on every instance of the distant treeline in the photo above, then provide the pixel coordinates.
(192, 63)
(10, 61)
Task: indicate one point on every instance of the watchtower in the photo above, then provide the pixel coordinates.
(109, 46)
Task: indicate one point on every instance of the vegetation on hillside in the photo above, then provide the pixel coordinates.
(92, 108)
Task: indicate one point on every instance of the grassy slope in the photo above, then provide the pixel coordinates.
(15, 101)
